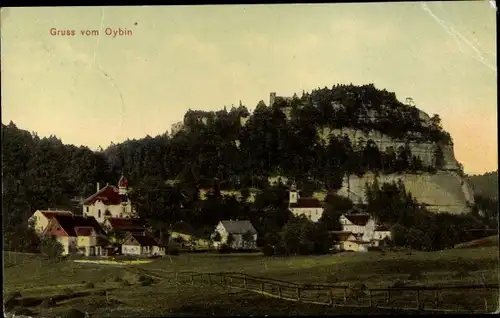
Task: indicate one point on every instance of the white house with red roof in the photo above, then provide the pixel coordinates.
(109, 201)
(360, 231)
(309, 207)
(78, 234)
(40, 219)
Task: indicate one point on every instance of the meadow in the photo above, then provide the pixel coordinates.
(120, 291)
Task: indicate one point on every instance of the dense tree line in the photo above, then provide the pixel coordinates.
(413, 225)
(216, 150)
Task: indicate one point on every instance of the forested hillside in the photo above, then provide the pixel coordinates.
(166, 172)
(485, 185)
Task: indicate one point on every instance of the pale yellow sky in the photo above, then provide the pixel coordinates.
(93, 90)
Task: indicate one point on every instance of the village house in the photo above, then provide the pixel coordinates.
(77, 234)
(348, 241)
(311, 208)
(109, 201)
(142, 245)
(360, 231)
(40, 219)
(244, 235)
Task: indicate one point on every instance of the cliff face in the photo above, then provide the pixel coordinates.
(445, 191)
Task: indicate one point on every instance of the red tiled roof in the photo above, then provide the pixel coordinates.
(358, 219)
(50, 214)
(306, 203)
(123, 224)
(123, 182)
(83, 231)
(108, 195)
(70, 223)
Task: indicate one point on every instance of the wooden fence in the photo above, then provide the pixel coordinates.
(460, 299)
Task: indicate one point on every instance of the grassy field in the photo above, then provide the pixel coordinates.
(126, 296)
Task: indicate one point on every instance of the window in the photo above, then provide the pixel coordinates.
(87, 209)
(124, 210)
(99, 214)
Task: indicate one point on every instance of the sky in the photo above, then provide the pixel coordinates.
(93, 90)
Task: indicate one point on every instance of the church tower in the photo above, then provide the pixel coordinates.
(294, 196)
(123, 189)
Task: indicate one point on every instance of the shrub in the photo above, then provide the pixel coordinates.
(280, 250)
(11, 301)
(51, 248)
(398, 283)
(172, 249)
(89, 285)
(24, 312)
(146, 280)
(267, 250)
(224, 249)
(74, 313)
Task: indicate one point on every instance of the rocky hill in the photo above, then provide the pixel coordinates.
(366, 127)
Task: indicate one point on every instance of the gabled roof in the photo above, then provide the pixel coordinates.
(83, 231)
(126, 224)
(145, 240)
(70, 223)
(108, 195)
(50, 214)
(358, 219)
(238, 227)
(306, 203)
(184, 228)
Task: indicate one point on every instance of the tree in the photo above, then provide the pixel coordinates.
(51, 248)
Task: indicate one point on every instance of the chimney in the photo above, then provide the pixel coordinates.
(98, 187)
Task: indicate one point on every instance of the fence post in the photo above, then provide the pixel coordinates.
(192, 279)
(210, 279)
(298, 293)
(370, 299)
(262, 287)
(330, 295)
(245, 282)
(436, 298)
(279, 291)
(345, 295)
(388, 298)
(418, 299)
(225, 280)
(486, 305)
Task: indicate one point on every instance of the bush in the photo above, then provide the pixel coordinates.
(398, 283)
(224, 249)
(146, 280)
(280, 250)
(74, 313)
(89, 285)
(172, 249)
(51, 248)
(11, 300)
(267, 250)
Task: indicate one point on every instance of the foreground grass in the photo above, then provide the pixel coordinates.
(33, 276)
